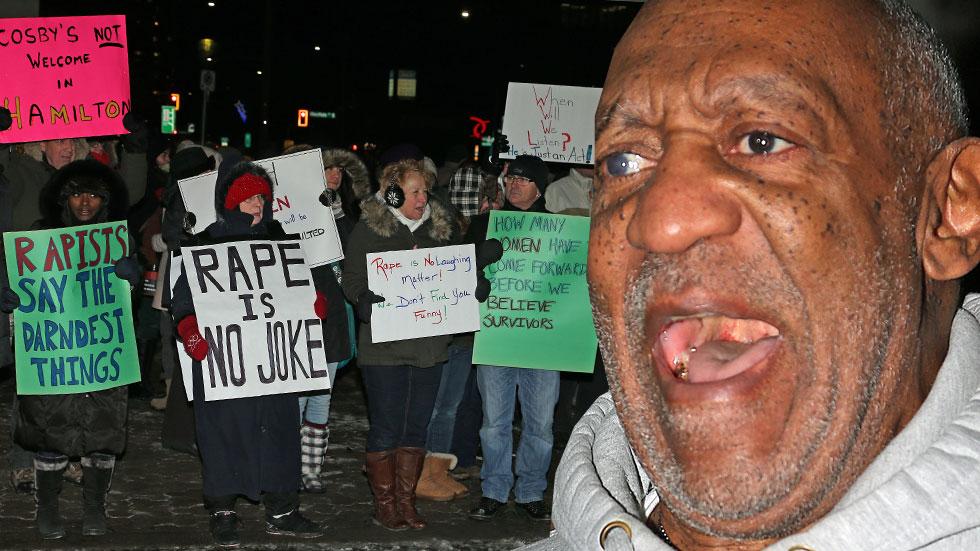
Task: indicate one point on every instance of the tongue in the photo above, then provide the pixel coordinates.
(715, 348)
(719, 360)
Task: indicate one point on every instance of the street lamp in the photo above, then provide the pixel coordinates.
(464, 14)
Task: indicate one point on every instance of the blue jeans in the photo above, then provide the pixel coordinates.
(315, 408)
(400, 400)
(538, 391)
(451, 389)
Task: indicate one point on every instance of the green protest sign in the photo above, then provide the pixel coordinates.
(538, 314)
(73, 331)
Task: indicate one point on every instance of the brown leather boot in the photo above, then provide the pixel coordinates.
(408, 468)
(435, 484)
(380, 467)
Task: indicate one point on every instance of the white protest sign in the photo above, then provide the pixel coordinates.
(254, 307)
(427, 292)
(298, 180)
(556, 123)
(176, 268)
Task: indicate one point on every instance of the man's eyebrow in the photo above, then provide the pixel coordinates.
(620, 113)
(781, 93)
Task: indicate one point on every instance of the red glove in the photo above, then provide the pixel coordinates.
(194, 343)
(320, 305)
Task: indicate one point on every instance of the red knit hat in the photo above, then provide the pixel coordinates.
(246, 186)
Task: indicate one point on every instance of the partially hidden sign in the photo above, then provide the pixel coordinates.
(427, 292)
(555, 123)
(298, 180)
(64, 77)
(73, 331)
(254, 307)
(538, 314)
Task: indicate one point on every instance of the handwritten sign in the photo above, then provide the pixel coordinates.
(556, 123)
(538, 314)
(254, 307)
(64, 77)
(298, 181)
(428, 292)
(73, 331)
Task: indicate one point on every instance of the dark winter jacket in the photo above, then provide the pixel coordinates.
(377, 231)
(76, 424)
(248, 445)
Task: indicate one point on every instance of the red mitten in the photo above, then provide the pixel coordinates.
(320, 305)
(194, 343)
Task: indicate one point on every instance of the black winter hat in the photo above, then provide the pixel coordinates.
(532, 168)
(190, 162)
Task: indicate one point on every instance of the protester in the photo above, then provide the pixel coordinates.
(778, 232)
(571, 194)
(89, 425)
(525, 180)
(266, 464)
(29, 168)
(401, 378)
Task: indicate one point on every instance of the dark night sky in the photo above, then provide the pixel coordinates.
(462, 65)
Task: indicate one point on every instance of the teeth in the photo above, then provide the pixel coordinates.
(680, 363)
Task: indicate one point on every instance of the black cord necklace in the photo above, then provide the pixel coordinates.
(659, 529)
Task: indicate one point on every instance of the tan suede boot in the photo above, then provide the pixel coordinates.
(435, 484)
(160, 404)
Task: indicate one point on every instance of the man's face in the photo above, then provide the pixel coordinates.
(58, 152)
(84, 206)
(521, 192)
(752, 266)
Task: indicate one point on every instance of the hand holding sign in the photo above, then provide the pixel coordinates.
(365, 304)
(9, 300)
(194, 343)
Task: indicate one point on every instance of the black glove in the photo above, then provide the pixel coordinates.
(482, 287)
(9, 300)
(5, 119)
(138, 139)
(129, 269)
(493, 165)
(365, 303)
(488, 252)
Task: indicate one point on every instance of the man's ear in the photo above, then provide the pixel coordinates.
(949, 220)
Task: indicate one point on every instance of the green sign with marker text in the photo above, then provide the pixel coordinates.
(538, 313)
(73, 331)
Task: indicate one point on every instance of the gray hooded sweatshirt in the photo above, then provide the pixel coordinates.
(921, 492)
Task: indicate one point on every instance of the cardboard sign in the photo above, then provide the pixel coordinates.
(73, 331)
(538, 314)
(428, 292)
(299, 180)
(254, 307)
(64, 77)
(556, 123)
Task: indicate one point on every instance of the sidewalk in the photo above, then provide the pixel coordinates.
(155, 500)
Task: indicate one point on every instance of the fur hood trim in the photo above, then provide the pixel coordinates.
(377, 217)
(52, 208)
(353, 165)
(33, 150)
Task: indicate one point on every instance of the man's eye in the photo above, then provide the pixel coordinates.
(623, 164)
(762, 143)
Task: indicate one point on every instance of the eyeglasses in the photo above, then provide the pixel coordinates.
(517, 180)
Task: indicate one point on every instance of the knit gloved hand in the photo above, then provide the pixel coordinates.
(487, 252)
(5, 119)
(320, 305)
(365, 304)
(138, 139)
(194, 344)
(9, 300)
(128, 269)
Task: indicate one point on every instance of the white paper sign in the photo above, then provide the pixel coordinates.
(176, 268)
(254, 307)
(427, 292)
(556, 123)
(298, 180)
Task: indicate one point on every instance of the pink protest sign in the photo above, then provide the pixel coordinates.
(63, 77)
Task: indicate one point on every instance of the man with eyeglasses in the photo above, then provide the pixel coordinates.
(525, 181)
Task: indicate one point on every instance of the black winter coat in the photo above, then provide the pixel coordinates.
(76, 424)
(378, 230)
(248, 445)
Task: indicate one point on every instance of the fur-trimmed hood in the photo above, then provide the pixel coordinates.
(352, 165)
(33, 150)
(53, 210)
(381, 221)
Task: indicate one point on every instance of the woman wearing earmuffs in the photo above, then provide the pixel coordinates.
(401, 377)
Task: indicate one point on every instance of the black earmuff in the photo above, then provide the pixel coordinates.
(394, 196)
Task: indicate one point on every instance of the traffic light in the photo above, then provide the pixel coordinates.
(303, 118)
(175, 99)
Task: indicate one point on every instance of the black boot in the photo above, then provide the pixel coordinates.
(96, 475)
(47, 484)
(146, 388)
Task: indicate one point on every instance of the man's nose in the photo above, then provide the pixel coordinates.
(692, 197)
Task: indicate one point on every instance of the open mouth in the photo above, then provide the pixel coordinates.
(712, 348)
